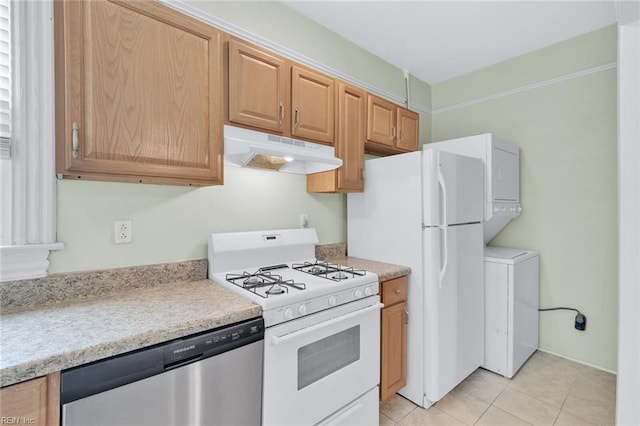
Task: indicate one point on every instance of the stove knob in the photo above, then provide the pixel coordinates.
(358, 293)
(288, 314)
(368, 291)
(302, 309)
(333, 300)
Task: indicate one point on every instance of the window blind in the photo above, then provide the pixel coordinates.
(5, 80)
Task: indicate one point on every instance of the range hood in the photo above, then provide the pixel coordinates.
(248, 148)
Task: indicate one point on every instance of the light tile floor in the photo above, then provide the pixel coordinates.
(548, 390)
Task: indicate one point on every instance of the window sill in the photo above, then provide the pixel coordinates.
(25, 261)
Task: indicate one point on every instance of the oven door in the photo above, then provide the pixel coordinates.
(316, 365)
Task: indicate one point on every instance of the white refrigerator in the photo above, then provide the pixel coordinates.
(424, 210)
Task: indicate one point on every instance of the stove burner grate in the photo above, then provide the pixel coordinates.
(273, 284)
(331, 271)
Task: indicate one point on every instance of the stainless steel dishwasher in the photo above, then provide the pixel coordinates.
(211, 378)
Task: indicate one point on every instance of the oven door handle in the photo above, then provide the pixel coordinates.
(277, 340)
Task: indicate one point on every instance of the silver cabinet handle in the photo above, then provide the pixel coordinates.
(74, 140)
(393, 132)
(281, 112)
(297, 121)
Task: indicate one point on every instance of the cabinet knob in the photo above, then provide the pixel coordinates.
(397, 291)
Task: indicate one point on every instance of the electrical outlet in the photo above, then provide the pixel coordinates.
(581, 321)
(122, 232)
(304, 220)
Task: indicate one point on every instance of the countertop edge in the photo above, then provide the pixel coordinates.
(37, 367)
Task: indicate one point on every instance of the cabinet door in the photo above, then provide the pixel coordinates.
(138, 93)
(381, 120)
(351, 135)
(258, 87)
(35, 401)
(312, 104)
(349, 145)
(393, 351)
(407, 130)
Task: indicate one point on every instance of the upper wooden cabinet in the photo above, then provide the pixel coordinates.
(381, 121)
(270, 93)
(391, 129)
(349, 145)
(138, 93)
(258, 88)
(408, 124)
(312, 105)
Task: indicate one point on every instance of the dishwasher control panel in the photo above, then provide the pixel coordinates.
(212, 343)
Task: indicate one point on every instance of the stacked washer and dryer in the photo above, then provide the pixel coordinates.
(511, 275)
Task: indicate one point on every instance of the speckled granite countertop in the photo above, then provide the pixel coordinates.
(385, 271)
(50, 338)
(335, 253)
(65, 320)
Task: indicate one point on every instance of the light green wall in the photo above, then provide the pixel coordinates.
(573, 55)
(567, 135)
(171, 223)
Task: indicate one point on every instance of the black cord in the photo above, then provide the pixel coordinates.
(562, 308)
(581, 319)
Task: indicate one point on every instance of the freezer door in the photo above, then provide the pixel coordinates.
(453, 188)
(384, 221)
(454, 306)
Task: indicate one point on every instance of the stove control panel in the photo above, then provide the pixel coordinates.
(317, 304)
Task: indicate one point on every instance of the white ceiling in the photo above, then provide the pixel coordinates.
(439, 40)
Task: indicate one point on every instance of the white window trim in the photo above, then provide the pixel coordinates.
(28, 215)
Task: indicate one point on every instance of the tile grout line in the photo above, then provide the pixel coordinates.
(530, 396)
(501, 409)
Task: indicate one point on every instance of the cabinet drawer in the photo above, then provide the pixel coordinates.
(394, 291)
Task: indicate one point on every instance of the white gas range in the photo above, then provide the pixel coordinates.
(322, 337)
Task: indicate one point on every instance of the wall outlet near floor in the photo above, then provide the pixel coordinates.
(122, 232)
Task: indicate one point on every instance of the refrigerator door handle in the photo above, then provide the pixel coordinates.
(444, 252)
(441, 181)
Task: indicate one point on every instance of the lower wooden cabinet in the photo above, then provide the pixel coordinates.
(393, 337)
(34, 402)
